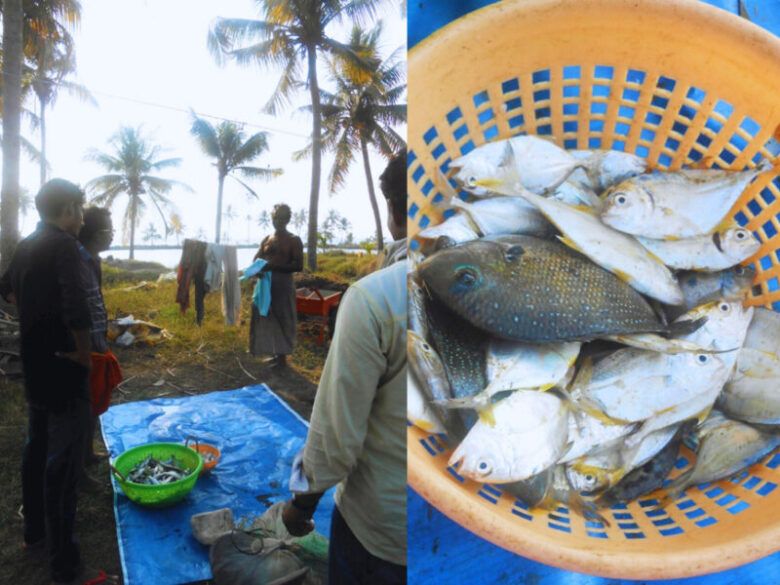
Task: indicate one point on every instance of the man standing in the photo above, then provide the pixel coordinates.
(357, 434)
(44, 280)
(95, 237)
(275, 333)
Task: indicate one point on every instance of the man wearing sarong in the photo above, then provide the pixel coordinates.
(274, 334)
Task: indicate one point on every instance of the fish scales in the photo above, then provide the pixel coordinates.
(527, 289)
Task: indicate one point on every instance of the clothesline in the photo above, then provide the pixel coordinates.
(209, 267)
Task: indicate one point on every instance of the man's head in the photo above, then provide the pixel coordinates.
(392, 181)
(281, 215)
(98, 231)
(61, 203)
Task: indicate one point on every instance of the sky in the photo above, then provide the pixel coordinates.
(147, 63)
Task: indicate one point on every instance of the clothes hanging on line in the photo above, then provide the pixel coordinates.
(192, 269)
(231, 290)
(208, 266)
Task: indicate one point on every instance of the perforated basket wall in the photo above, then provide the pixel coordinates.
(675, 82)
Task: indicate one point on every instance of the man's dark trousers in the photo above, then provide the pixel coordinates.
(51, 466)
(349, 563)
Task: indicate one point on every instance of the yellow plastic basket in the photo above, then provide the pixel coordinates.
(677, 82)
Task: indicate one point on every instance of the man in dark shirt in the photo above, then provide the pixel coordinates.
(45, 280)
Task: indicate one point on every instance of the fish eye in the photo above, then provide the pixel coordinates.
(702, 358)
(466, 276)
(484, 467)
(514, 253)
(725, 307)
(739, 270)
(741, 234)
(471, 181)
(621, 199)
(589, 478)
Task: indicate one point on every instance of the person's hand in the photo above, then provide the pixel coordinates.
(84, 359)
(297, 522)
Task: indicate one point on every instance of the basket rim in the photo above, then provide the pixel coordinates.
(695, 556)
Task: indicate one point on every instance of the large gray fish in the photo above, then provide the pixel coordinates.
(463, 351)
(428, 371)
(527, 289)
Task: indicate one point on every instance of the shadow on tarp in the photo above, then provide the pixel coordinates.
(258, 435)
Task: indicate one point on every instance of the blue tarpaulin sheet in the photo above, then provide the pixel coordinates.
(258, 435)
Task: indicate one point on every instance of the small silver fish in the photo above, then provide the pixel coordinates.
(717, 251)
(676, 204)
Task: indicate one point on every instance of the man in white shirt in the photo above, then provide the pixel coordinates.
(357, 434)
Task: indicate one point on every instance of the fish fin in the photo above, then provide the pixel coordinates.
(546, 387)
(655, 257)
(479, 401)
(726, 223)
(584, 508)
(584, 209)
(583, 376)
(702, 416)
(445, 188)
(424, 425)
(624, 276)
(684, 327)
(569, 243)
(486, 415)
(676, 488)
(588, 407)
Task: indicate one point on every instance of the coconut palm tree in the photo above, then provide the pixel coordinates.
(293, 31)
(131, 160)
(150, 234)
(12, 98)
(227, 144)
(25, 22)
(53, 62)
(264, 219)
(299, 219)
(362, 112)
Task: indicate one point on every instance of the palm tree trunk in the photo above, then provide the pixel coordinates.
(12, 107)
(43, 142)
(372, 195)
(133, 198)
(219, 204)
(311, 245)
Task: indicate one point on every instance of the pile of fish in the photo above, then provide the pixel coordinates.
(151, 471)
(581, 317)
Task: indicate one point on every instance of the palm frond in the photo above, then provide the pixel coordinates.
(245, 186)
(259, 173)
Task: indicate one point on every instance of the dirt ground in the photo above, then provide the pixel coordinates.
(145, 377)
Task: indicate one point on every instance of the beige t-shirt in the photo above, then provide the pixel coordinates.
(357, 434)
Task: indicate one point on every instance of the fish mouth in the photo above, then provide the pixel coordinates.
(457, 458)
